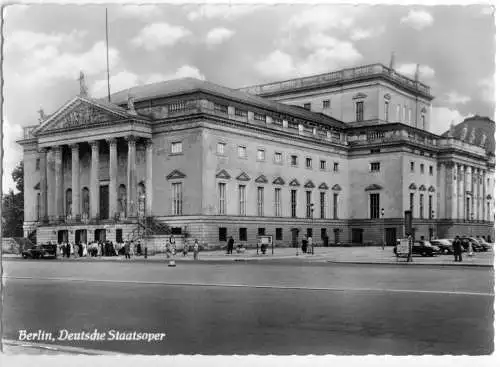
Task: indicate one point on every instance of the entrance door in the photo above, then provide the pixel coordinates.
(390, 236)
(100, 235)
(81, 236)
(62, 236)
(295, 236)
(104, 204)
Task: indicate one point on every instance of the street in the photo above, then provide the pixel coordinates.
(256, 308)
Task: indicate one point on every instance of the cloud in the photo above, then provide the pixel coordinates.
(218, 35)
(326, 17)
(487, 87)
(276, 64)
(25, 41)
(418, 19)
(425, 71)
(454, 98)
(442, 117)
(359, 34)
(145, 12)
(157, 35)
(185, 71)
(122, 80)
(12, 153)
(221, 11)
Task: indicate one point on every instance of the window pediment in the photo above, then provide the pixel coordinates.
(309, 185)
(373, 187)
(422, 188)
(359, 96)
(175, 174)
(323, 186)
(223, 174)
(243, 177)
(294, 182)
(278, 181)
(261, 179)
(336, 187)
(412, 186)
(432, 189)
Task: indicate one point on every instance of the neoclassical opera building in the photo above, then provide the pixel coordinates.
(342, 154)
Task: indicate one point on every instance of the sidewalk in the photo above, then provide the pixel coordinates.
(353, 255)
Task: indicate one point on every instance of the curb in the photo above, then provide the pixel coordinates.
(409, 264)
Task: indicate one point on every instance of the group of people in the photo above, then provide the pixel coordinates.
(171, 248)
(98, 249)
(307, 243)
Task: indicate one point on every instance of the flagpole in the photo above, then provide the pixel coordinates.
(107, 56)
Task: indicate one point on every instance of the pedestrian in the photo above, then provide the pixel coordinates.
(457, 249)
(304, 244)
(469, 252)
(172, 250)
(230, 245)
(127, 250)
(185, 249)
(196, 249)
(310, 244)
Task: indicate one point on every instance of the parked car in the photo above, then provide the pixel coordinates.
(444, 244)
(425, 248)
(487, 245)
(40, 252)
(476, 246)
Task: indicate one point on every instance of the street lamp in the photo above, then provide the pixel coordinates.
(383, 232)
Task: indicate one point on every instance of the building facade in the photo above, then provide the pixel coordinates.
(342, 155)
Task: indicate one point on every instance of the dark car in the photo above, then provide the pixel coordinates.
(425, 248)
(40, 252)
(444, 244)
(476, 246)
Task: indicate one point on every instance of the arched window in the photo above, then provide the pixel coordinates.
(69, 203)
(141, 200)
(85, 203)
(122, 201)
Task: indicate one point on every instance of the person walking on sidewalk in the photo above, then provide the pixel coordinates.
(457, 249)
(230, 245)
(196, 249)
(310, 244)
(304, 244)
(127, 250)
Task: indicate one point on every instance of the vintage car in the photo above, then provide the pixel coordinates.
(40, 252)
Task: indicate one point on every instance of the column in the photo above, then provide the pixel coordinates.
(94, 180)
(460, 195)
(485, 216)
(75, 181)
(113, 173)
(149, 177)
(59, 183)
(473, 211)
(479, 195)
(131, 179)
(451, 190)
(467, 188)
(43, 184)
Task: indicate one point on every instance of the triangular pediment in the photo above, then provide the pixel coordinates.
(488, 197)
(359, 95)
(323, 186)
(243, 177)
(294, 182)
(223, 174)
(432, 189)
(37, 186)
(82, 112)
(412, 186)
(309, 185)
(261, 179)
(422, 188)
(175, 174)
(373, 187)
(336, 187)
(278, 181)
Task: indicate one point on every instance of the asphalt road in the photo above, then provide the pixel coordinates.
(263, 308)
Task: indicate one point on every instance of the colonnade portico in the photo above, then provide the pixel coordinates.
(77, 210)
(466, 195)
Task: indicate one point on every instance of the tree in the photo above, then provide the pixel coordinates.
(13, 206)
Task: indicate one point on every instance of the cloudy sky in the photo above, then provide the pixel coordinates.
(46, 46)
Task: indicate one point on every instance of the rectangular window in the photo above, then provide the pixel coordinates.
(222, 198)
(37, 166)
(335, 206)
(431, 170)
(309, 232)
(335, 167)
(375, 167)
(223, 234)
(488, 211)
(243, 234)
(259, 117)
(261, 154)
(293, 203)
(467, 209)
(38, 206)
(177, 198)
(323, 233)
(431, 211)
(176, 147)
(423, 121)
(412, 166)
(326, 103)
(422, 168)
(412, 202)
(279, 234)
(261, 231)
(398, 112)
(221, 147)
(409, 115)
(386, 111)
(242, 190)
(260, 201)
(240, 113)
(322, 205)
(119, 235)
(308, 204)
(293, 160)
(375, 151)
(405, 113)
(308, 162)
(278, 157)
(421, 206)
(242, 151)
(322, 165)
(277, 202)
(220, 108)
(307, 106)
(374, 206)
(359, 111)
